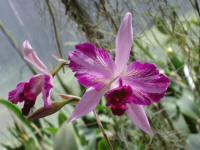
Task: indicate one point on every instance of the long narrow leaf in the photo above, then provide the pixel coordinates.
(16, 111)
(146, 52)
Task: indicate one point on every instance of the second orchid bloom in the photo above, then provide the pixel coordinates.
(126, 87)
(28, 91)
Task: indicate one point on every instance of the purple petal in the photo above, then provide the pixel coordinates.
(119, 109)
(137, 114)
(93, 66)
(27, 92)
(147, 83)
(88, 102)
(46, 90)
(17, 95)
(31, 56)
(124, 42)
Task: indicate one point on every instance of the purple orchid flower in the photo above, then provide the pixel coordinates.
(127, 87)
(28, 91)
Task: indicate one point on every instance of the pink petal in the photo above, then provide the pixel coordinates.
(93, 66)
(88, 102)
(46, 90)
(31, 56)
(147, 83)
(124, 42)
(137, 114)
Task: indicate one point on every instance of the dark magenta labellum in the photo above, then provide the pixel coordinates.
(118, 97)
(27, 107)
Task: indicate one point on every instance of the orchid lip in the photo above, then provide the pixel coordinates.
(118, 97)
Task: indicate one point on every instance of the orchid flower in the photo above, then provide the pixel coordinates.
(28, 91)
(127, 88)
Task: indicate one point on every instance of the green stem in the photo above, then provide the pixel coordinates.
(54, 28)
(102, 129)
(15, 46)
(166, 115)
(57, 69)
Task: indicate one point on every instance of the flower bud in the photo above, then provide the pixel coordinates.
(56, 105)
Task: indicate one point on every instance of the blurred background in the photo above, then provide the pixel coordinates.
(166, 33)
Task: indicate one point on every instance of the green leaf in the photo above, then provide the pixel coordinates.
(65, 138)
(102, 145)
(8, 147)
(193, 142)
(160, 26)
(195, 22)
(189, 108)
(92, 144)
(16, 111)
(168, 41)
(177, 63)
(30, 145)
(69, 85)
(61, 118)
(161, 29)
(52, 130)
(146, 52)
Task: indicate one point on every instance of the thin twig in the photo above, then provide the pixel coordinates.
(15, 45)
(166, 115)
(108, 16)
(102, 129)
(76, 11)
(54, 28)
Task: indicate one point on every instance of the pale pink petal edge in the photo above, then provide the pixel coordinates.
(124, 41)
(31, 56)
(138, 116)
(88, 102)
